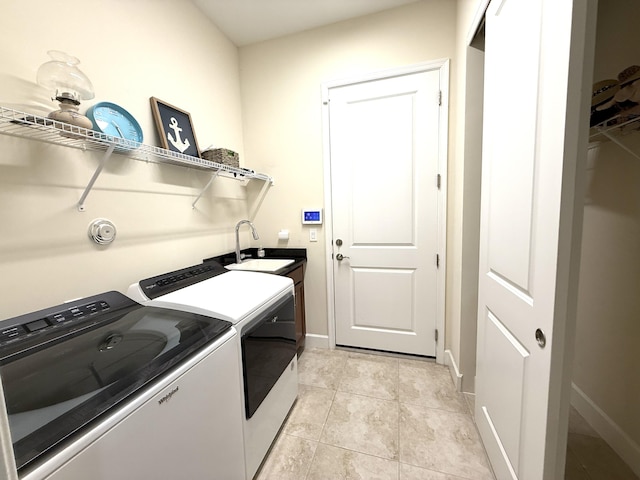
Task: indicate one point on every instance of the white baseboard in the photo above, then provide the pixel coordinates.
(610, 432)
(316, 341)
(456, 376)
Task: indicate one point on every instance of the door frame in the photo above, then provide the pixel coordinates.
(442, 65)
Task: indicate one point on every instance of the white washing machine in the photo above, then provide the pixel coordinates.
(108, 389)
(261, 307)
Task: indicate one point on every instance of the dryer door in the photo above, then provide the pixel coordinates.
(268, 346)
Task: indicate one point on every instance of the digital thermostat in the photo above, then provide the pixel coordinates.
(312, 216)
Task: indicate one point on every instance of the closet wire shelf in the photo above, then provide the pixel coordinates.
(614, 132)
(42, 129)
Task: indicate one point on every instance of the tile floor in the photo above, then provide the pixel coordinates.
(589, 457)
(375, 417)
(368, 416)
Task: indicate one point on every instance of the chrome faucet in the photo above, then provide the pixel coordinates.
(253, 232)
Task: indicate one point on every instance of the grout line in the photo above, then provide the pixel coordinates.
(313, 457)
(326, 418)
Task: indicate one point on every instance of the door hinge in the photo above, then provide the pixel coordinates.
(437, 260)
(436, 335)
(439, 181)
(440, 97)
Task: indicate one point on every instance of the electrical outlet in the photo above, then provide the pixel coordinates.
(313, 235)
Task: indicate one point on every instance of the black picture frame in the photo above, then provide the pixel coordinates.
(175, 128)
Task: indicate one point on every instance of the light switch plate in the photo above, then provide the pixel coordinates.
(313, 235)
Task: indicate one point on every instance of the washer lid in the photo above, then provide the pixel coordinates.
(75, 362)
(232, 296)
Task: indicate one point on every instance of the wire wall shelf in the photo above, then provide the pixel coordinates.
(42, 129)
(615, 133)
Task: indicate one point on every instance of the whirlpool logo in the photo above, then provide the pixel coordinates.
(168, 396)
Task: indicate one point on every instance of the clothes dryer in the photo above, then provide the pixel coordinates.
(261, 307)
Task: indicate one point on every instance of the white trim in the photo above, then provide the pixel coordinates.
(443, 162)
(316, 341)
(478, 18)
(609, 430)
(443, 66)
(328, 218)
(456, 376)
(382, 74)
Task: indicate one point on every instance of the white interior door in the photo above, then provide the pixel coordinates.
(535, 68)
(385, 150)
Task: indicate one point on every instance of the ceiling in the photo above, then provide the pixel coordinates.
(251, 21)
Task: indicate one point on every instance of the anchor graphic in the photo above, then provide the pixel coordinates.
(177, 142)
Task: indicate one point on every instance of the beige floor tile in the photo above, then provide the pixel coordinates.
(364, 424)
(411, 472)
(430, 385)
(598, 459)
(321, 367)
(290, 459)
(309, 413)
(334, 463)
(443, 441)
(371, 376)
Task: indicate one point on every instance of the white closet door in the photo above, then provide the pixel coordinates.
(529, 225)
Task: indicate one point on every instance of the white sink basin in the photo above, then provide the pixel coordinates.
(261, 264)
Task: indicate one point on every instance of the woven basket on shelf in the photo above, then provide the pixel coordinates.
(223, 156)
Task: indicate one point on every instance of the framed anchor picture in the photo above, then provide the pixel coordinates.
(174, 128)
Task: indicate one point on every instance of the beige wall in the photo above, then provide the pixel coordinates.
(131, 50)
(282, 111)
(606, 361)
(277, 130)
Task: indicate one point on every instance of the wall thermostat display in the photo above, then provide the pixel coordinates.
(312, 216)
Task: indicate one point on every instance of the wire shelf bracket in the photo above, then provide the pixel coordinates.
(206, 187)
(95, 176)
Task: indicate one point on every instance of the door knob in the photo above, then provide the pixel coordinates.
(340, 257)
(541, 338)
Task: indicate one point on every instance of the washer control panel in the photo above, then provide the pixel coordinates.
(73, 315)
(15, 332)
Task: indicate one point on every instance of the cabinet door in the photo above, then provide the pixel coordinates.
(301, 328)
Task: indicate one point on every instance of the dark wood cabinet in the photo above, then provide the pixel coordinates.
(297, 276)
